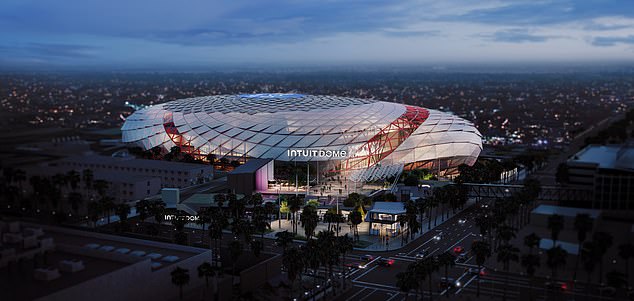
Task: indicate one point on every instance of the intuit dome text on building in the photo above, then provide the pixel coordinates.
(363, 139)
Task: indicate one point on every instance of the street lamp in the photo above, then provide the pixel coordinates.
(279, 207)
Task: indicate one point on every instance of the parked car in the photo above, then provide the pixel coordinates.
(422, 254)
(475, 271)
(557, 285)
(446, 283)
(386, 262)
(607, 291)
(367, 257)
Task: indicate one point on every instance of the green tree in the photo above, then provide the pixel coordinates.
(590, 257)
(604, 241)
(284, 239)
(583, 225)
(556, 258)
(406, 281)
(530, 262)
(356, 217)
(235, 251)
(122, 211)
(481, 250)
(447, 259)
(506, 254)
(309, 220)
(555, 225)
(206, 270)
(293, 260)
(180, 277)
(531, 241)
(345, 245)
(626, 252)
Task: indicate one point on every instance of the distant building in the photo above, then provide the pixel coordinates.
(171, 174)
(251, 177)
(382, 218)
(609, 170)
(568, 236)
(94, 266)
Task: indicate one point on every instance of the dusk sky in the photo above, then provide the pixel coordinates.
(204, 33)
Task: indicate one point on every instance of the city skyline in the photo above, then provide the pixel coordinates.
(132, 34)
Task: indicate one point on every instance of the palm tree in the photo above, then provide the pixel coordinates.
(206, 270)
(157, 209)
(446, 259)
(506, 254)
(406, 281)
(122, 211)
(235, 249)
(294, 204)
(616, 279)
(294, 263)
(107, 205)
(589, 256)
(626, 251)
(74, 199)
(73, 179)
(604, 242)
(583, 224)
(87, 176)
(530, 262)
(505, 234)
(180, 277)
(427, 267)
(309, 220)
(556, 258)
(555, 224)
(202, 220)
(482, 251)
(531, 241)
(284, 239)
(94, 211)
(217, 222)
(402, 221)
(345, 245)
(356, 217)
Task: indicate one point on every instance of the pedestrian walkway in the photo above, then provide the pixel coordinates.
(374, 243)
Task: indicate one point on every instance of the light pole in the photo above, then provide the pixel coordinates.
(279, 207)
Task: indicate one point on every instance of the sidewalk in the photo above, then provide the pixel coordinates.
(376, 244)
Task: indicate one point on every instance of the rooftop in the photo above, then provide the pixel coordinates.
(607, 156)
(388, 208)
(134, 162)
(565, 211)
(251, 166)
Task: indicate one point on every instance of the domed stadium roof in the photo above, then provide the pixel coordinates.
(371, 133)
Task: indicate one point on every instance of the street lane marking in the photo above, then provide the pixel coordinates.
(352, 297)
(368, 271)
(465, 285)
(368, 295)
(393, 296)
(376, 284)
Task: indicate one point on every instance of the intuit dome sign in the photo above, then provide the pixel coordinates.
(317, 153)
(364, 139)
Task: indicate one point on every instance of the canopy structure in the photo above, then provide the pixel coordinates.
(366, 139)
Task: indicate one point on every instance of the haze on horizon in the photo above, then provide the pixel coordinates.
(166, 33)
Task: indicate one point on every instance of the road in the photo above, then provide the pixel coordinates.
(378, 282)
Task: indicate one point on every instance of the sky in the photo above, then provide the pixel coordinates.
(164, 33)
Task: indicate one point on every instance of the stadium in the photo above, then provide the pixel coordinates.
(360, 139)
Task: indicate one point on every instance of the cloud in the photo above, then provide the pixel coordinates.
(47, 50)
(517, 36)
(612, 41)
(131, 31)
(411, 33)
